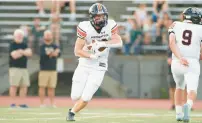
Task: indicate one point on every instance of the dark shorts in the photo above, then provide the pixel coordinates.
(171, 82)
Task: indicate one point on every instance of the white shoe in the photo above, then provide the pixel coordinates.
(179, 116)
(186, 109)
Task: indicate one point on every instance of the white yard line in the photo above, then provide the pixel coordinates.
(57, 118)
(120, 114)
(41, 113)
(12, 119)
(137, 114)
(94, 115)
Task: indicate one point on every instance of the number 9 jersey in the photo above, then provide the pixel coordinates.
(188, 38)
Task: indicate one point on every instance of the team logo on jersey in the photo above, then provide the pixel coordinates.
(49, 49)
(103, 35)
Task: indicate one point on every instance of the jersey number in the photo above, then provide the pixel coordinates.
(187, 35)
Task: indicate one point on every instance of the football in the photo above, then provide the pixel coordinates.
(89, 47)
(100, 49)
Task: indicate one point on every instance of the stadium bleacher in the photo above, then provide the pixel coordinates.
(16, 13)
(13, 14)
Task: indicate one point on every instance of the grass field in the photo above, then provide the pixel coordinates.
(57, 115)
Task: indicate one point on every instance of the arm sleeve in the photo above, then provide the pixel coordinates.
(172, 28)
(81, 33)
(114, 27)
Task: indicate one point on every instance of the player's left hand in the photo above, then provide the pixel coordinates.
(184, 62)
(94, 56)
(169, 60)
(98, 44)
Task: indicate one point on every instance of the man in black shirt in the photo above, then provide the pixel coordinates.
(48, 75)
(171, 81)
(18, 74)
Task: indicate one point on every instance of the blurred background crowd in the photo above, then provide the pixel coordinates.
(137, 70)
(146, 26)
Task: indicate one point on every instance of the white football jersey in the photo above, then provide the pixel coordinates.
(87, 32)
(188, 38)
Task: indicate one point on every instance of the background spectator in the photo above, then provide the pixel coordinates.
(124, 32)
(134, 46)
(18, 73)
(55, 27)
(170, 80)
(167, 21)
(149, 31)
(141, 15)
(37, 33)
(40, 7)
(159, 6)
(72, 5)
(48, 74)
(56, 6)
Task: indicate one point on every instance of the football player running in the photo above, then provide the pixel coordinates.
(95, 38)
(185, 42)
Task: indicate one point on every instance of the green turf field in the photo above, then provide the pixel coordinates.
(57, 115)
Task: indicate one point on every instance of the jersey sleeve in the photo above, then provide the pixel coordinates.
(81, 33)
(172, 28)
(114, 27)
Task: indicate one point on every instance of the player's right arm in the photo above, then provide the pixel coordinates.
(173, 46)
(78, 50)
(80, 42)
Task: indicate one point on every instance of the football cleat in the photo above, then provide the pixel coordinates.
(186, 108)
(70, 116)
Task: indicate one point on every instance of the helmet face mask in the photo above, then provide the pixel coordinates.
(98, 15)
(99, 20)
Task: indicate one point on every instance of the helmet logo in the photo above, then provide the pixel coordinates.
(99, 7)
